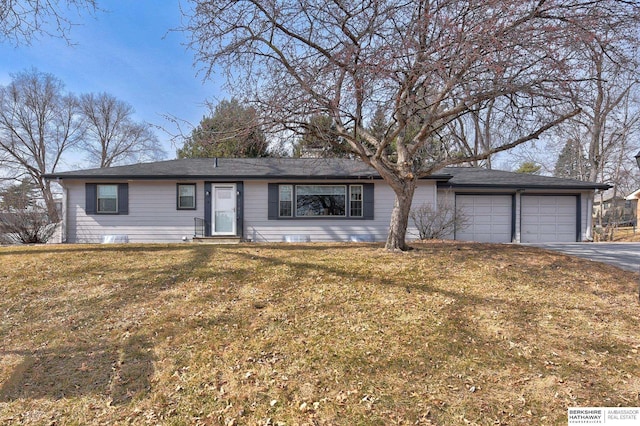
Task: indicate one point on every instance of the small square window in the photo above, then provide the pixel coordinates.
(186, 196)
(107, 198)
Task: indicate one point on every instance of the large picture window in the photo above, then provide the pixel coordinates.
(306, 201)
(321, 200)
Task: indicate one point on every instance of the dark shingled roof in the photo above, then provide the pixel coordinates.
(472, 177)
(311, 168)
(221, 168)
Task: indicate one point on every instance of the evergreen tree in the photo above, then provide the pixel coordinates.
(572, 164)
(529, 167)
(18, 197)
(232, 131)
(379, 127)
(319, 139)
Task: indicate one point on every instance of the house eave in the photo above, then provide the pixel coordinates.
(213, 177)
(208, 177)
(516, 187)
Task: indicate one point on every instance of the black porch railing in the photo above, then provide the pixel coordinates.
(199, 226)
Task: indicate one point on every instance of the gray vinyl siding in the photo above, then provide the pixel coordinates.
(153, 217)
(258, 227)
(152, 214)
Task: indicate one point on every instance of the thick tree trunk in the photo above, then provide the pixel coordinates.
(396, 239)
(50, 204)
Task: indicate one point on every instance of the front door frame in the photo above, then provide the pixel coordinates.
(209, 207)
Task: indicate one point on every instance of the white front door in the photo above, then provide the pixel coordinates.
(223, 209)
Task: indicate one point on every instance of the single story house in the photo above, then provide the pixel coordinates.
(312, 199)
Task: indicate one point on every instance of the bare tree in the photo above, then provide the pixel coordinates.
(21, 21)
(38, 123)
(112, 136)
(22, 218)
(604, 95)
(427, 63)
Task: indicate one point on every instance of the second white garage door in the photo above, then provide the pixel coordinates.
(489, 218)
(548, 219)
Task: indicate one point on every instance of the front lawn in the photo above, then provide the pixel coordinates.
(316, 334)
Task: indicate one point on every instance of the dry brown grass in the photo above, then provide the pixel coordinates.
(628, 234)
(313, 334)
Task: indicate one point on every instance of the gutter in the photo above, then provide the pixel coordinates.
(586, 186)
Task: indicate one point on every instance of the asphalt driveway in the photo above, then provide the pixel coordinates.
(622, 255)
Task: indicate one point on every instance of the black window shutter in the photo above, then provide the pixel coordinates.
(240, 209)
(367, 201)
(123, 198)
(272, 195)
(91, 198)
(207, 209)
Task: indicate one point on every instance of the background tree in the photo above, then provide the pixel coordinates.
(320, 139)
(529, 167)
(232, 130)
(429, 63)
(380, 127)
(609, 78)
(38, 123)
(22, 217)
(572, 163)
(21, 21)
(112, 136)
(18, 196)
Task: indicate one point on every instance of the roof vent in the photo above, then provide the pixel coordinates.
(215, 162)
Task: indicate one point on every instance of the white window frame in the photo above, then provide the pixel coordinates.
(281, 200)
(359, 201)
(98, 198)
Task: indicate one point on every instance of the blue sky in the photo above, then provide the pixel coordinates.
(126, 50)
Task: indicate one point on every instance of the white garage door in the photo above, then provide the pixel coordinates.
(548, 219)
(488, 218)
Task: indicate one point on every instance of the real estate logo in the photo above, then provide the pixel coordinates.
(614, 416)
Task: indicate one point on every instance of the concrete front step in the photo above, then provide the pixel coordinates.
(217, 240)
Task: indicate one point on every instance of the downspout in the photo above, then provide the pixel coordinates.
(588, 232)
(516, 216)
(64, 215)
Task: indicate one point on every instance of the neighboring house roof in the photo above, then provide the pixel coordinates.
(608, 195)
(312, 168)
(633, 195)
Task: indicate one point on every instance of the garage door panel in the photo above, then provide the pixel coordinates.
(488, 218)
(548, 218)
(483, 210)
